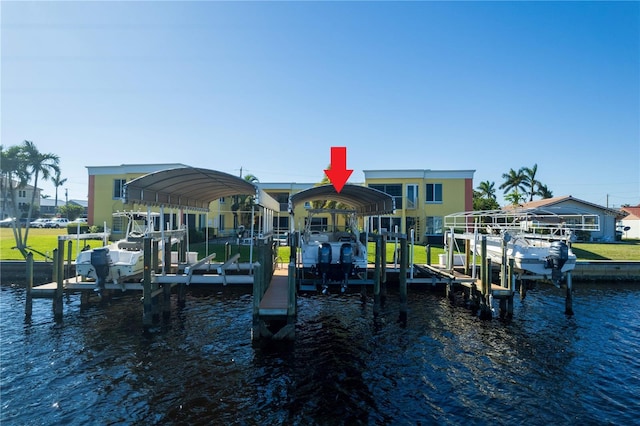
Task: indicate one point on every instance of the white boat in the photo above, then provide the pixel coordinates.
(122, 260)
(538, 240)
(329, 252)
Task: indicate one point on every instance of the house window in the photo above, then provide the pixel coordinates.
(412, 196)
(434, 225)
(395, 190)
(434, 193)
(221, 200)
(221, 222)
(118, 188)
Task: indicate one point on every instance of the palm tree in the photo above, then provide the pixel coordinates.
(515, 197)
(244, 203)
(543, 191)
(57, 182)
(487, 190)
(513, 181)
(20, 164)
(529, 180)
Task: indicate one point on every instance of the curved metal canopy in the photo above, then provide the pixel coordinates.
(192, 187)
(365, 200)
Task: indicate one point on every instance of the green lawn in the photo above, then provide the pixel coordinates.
(44, 241)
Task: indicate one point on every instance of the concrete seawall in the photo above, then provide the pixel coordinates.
(607, 270)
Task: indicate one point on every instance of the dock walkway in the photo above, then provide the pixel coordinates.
(275, 301)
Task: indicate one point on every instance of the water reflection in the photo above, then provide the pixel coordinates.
(445, 366)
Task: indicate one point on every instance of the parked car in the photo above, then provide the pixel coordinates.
(39, 223)
(79, 220)
(6, 223)
(57, 222)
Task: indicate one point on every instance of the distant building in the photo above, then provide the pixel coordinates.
(423, 198)
(632, 222)
(24, 199)
(48, 206)
(608, 218)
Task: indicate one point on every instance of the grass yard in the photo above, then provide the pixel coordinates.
(44, 241)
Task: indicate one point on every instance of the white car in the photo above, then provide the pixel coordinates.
(57, 222)
(8, 222)
(39, 223)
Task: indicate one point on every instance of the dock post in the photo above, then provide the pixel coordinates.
(568, 303)
(467, 257)
(376, 278)
(485, 301)
(257, 297)
(28, 309)
(403, 280)
(428, 249)
(67, 270)
(155, 260)
(57, 297)
(166, 305)
(147, 305)
(383, 270)
(512, 287)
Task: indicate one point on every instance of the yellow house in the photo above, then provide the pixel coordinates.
(422, 198)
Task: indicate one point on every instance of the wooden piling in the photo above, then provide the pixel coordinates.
(57, 298)
(256, 333)
(383, 270)
(568, 303)
(403, 280)
(428, 249)
(28, 310)
(147, 306)
(67, 269)
(485, 301)
(376, 278)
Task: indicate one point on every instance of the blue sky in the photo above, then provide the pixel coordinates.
(270, 87)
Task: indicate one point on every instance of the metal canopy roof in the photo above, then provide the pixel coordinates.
(366, 201)
(193, 188)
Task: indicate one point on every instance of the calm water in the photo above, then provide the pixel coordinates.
(445, 367)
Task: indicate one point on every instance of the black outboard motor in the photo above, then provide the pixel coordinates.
(100, 261)
(558, 256)
(346, 260)
(324, 260)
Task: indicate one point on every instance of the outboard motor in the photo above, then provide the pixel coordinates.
(558, 256)
(346, 260)
(324, 262)
(100, 261)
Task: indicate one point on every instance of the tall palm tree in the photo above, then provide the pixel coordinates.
(37, 165)
(543, 191)
(513, 180)
(515, 197)
(57, 182)
(487, 190)
(244, 203)
(529, 180)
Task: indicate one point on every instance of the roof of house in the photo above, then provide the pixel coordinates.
(555, 201)
(634, 212)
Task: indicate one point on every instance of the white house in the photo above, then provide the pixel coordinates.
(608, 217)
(632, 222)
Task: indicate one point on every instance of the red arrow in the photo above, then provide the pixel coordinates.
(337, 172)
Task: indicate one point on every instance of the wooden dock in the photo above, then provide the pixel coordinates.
(275, 301)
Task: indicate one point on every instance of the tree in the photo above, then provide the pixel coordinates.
(243, 204)
(543, 192)
(529, 180)
(513, 180)
(19, 164)
(57, 182)
(487, 190)
(515, 197)
(481, 202)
